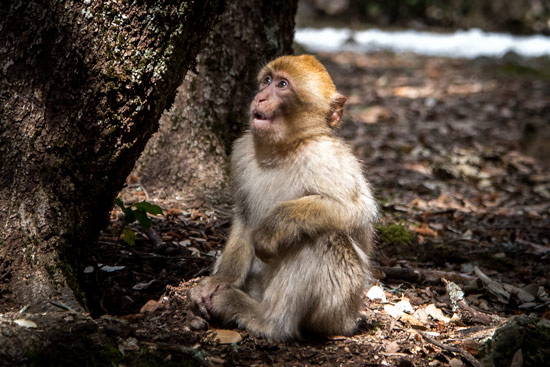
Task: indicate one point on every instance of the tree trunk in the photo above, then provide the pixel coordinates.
(82, 86)
(188, 154)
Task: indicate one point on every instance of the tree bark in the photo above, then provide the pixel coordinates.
(82, 86)
(188, 155)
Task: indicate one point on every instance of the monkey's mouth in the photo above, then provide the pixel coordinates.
(260, 121)
(260, 116)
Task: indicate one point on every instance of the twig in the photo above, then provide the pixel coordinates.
(63, 306)
(422, 275)
(24, 309)
(470, 358)
(466, 312)
(154, 237)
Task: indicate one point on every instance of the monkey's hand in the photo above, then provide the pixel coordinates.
(266, 239)
(201, 300)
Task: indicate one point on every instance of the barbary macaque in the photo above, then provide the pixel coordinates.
(297, 258)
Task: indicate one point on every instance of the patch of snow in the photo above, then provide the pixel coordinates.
(464, 44)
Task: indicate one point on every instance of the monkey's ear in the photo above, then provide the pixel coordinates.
(336, 110)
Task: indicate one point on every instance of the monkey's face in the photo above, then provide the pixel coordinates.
(272, 106)
(296, 99)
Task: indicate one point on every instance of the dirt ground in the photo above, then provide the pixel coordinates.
(457, 153)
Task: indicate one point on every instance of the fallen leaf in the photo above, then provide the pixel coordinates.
(421, 315)
(223, 336)
(534, 289)
(110, 269)
(425, 230)
(130, 344)
(436, 313)
(492, 286)
(142, 285)
(393, 311)
(173, 212)
(405, 306)
(150, 306)
(376, 293)
(338, 337)
(521, 294)
(392, 347)
(184, 243)
(418, 203)
(195, 252)
(375, 114)
(215, 361)
(413, 92)
(433, 334)
(463, 89)
(176, 235)
(25, 323)
(411, 320)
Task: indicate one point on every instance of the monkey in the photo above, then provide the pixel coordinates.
(296, 260)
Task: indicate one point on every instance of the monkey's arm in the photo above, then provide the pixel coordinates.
(230, 269)
(233, 264)
(308, 216)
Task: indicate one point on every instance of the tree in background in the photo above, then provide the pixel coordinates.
(189, 153)
(82, 87)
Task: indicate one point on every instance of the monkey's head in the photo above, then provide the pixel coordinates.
(296, 99)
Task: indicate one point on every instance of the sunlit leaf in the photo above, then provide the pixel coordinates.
(129, 236)
(149, 208)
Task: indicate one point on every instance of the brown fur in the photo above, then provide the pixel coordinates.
(296, 261)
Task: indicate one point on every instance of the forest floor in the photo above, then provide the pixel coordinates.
(457, 152)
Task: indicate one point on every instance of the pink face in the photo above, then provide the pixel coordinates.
(268, 107)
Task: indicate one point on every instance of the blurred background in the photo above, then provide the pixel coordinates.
(518, 17)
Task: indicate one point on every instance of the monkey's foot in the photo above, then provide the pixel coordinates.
(201, 298)
(197, 323)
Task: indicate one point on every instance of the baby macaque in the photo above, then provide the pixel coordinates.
(297, 258)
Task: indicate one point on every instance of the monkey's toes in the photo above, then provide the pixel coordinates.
(198, 323)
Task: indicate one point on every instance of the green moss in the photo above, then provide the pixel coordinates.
(393, 234)
(110, 352)
(67, 264)
(72, 281)
(522, 71)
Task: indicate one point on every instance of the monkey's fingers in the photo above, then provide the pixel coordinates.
(263, 253)
(204, 304)
(207, 298)
(197, 323)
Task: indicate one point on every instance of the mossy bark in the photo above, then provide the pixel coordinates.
(188, 155)
(82, 86)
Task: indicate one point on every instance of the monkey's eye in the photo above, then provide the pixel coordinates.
(282, 84)
(266, 80)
